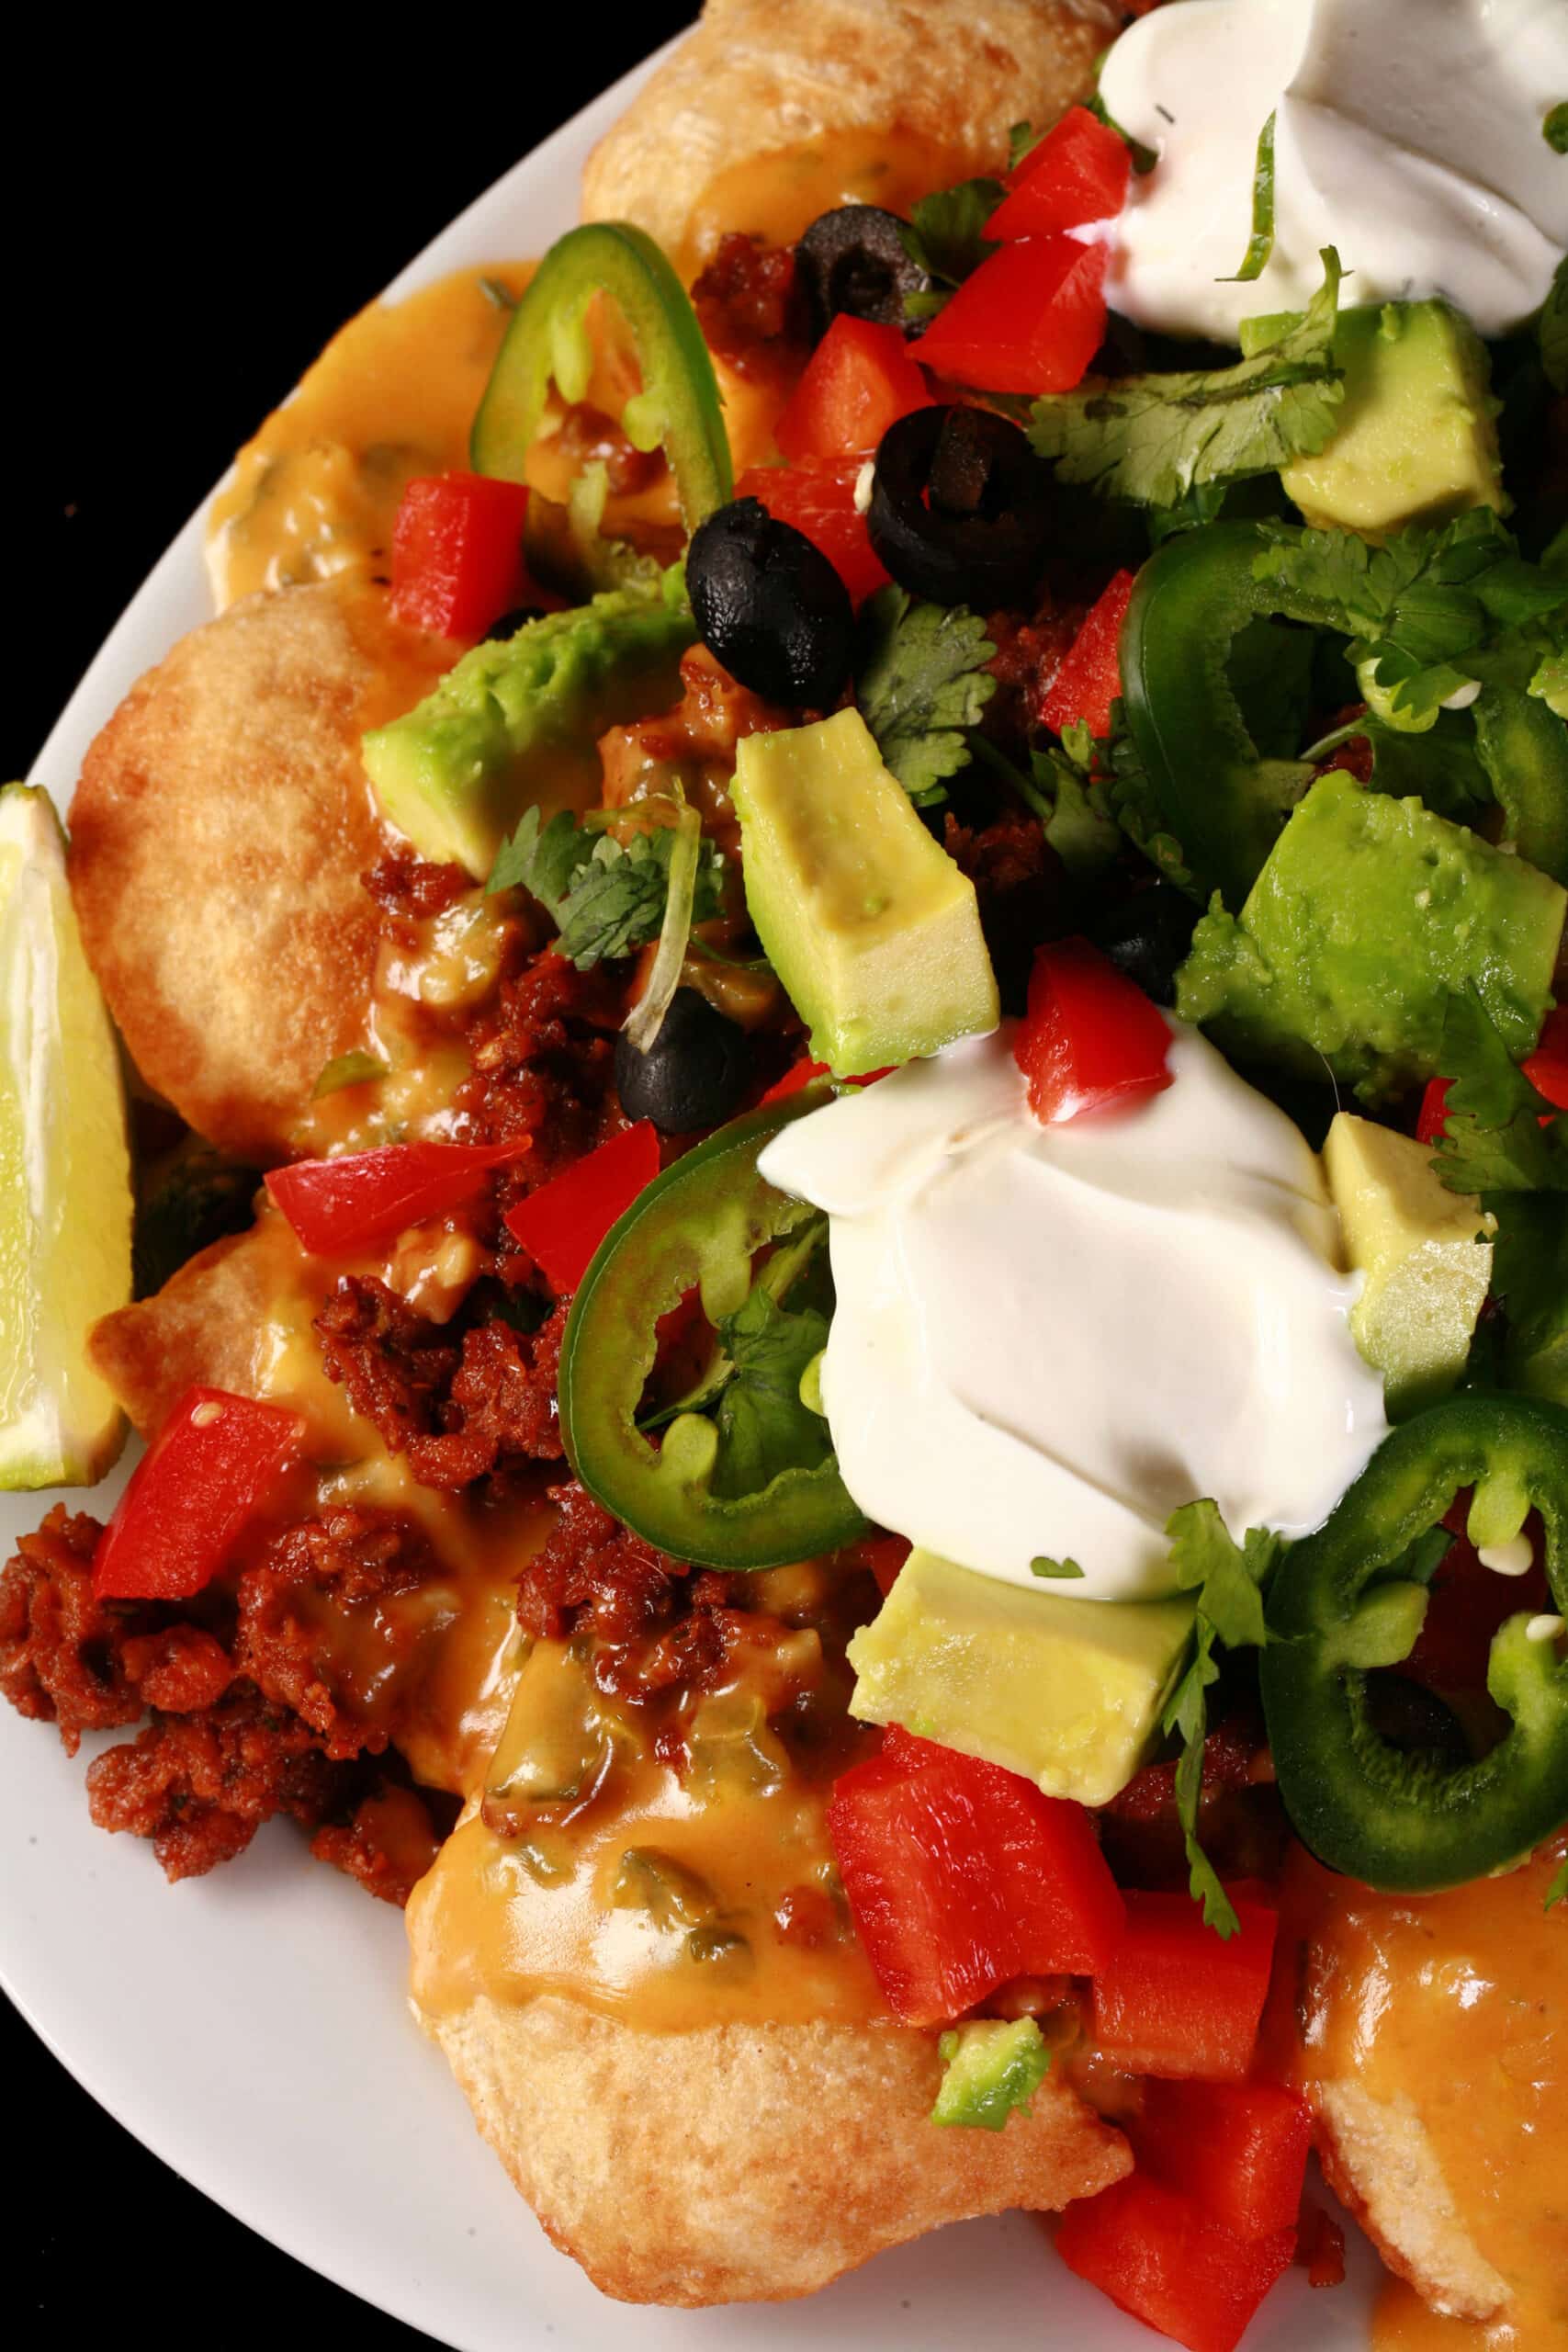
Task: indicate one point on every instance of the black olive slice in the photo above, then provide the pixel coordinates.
(960, 507)
(770, 606)
(852, 259)
(694, 1074)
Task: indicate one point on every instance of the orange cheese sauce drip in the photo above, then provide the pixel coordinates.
(658, 1902)
(777, 196)
(391, 396)
(1460, 2002)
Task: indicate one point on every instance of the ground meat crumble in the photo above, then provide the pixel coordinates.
(244, 1720)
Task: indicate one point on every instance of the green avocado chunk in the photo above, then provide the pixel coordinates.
(1067, 1692)
(872, 929)
(992, 2065)
(1420, 1251)
(456, 771)
(1368, 915)
(1416, 440)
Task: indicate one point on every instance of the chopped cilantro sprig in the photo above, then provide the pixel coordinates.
(608, 897)
(1229, 1579)
(1151, 439)
(921, 682)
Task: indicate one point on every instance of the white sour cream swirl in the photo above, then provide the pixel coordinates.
(1407, 133)
(1047, 1339)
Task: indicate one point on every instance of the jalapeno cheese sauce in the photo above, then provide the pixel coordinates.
(1047, 1339)
(1408, 135)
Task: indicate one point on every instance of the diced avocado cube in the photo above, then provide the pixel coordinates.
(1368, 915)
(1426, 1272)
(992, 2065)
(1416, 440)
(1067, 1692)
(455, 773)
(867, 922)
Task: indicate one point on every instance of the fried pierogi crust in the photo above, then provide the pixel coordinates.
(205, 1327)
(747, 2162)
(218, 838)
(757, 76)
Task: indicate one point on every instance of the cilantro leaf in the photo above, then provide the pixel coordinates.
(1429, 613)
(1529, 1274)
(605, 897)
(1494, 1140)
(1044, 1566)
(923, 680)
(1261, 245)
(763, 1427)
(1128, 796)
(1151, 439)
(1229, 1579)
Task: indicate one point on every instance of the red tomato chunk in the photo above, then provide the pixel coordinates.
(1030, 320)
(858, 382)
(458, 553)
(1164, 2260)
(819, 499)
(1238, 2149)
(1077, 174)
(961, 1876)
(342, 1205)
(1089, 1035)
(1180, 2000)
(212, 1468)
(1089, 680)
(562, 1223)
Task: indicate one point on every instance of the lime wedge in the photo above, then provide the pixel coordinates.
(64, 1168)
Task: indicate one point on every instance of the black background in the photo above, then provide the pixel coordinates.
(187, 225)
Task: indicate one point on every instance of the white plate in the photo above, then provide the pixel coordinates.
(251, 2027)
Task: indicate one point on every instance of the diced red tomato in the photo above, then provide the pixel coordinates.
(1161, 2257)
(1030, 320)
(858, 382)
(336, 1206)
(212, 1468)
(1077, 174)
(1466, 1605)
(458, 554)
(961, 1875)
(1089, 1035)
(819, 499)
(1238, 2149)
(1089, 680)
(562, 1223)
(1546, 1068)
(1180, 2000)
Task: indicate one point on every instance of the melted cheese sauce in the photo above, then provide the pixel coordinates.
(1460, 2002)
(777, 196)
(655, 1895)
(393, 396)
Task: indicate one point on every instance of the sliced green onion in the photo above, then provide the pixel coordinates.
(647, 1017)
(1262, 242)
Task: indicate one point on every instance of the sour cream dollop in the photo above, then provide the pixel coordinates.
(1407, 133)
(1047, 1339)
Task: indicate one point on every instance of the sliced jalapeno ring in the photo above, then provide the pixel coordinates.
(1399, 1819)
(697, 1228)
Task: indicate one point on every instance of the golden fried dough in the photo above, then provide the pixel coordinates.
(1380, 2162)
(747, 2162)
(207, 1325)
(218, 837)
(760, 75)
